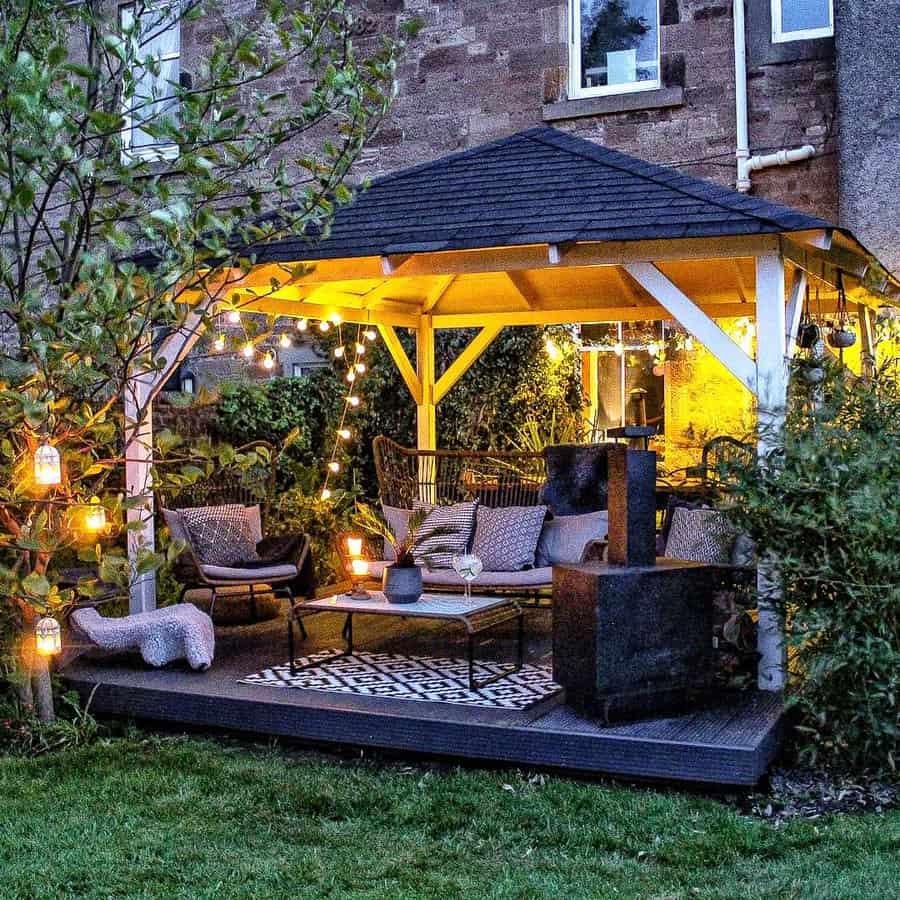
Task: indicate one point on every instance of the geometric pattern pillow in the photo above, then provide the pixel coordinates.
(456, 522)
(221, 535)
(506, 538)
(700, 535)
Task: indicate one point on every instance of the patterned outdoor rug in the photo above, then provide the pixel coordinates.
(401, 677)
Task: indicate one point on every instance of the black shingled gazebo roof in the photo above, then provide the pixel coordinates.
(539, 186)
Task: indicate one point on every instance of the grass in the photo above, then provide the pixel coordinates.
(186, 818)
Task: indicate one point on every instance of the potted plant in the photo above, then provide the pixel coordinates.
(402, 579)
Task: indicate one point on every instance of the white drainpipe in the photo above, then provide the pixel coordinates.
(746, 163)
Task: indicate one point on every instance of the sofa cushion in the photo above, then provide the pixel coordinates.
(255, 573)
(700, 535)
(527, 578)
(506, 537)
(458, 519)
(221, 535)
(563, 538)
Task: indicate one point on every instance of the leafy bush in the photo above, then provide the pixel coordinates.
(827, 508)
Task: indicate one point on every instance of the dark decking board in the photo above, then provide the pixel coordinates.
(728, 743)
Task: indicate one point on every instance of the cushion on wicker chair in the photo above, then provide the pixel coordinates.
(700, 535)
(221, 535)
(506, 537)
(459, 522)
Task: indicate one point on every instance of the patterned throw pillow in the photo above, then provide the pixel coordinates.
(700, 535)
(221, 535)
(459, 519)
(506, 538)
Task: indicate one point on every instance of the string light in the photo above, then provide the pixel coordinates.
(233, 317)
(351, 376)
(360, 348)
(370, 334)
(335, 319)
(344, 433)
(326, 494)
(353, 400)
(248, 350)
(219, 343)
(338, 352)
(552, 350)
(284, 341)
(302, 324)
(268, 361)
(360, 368)
(47, 466)
(334, 466)
(324, 326)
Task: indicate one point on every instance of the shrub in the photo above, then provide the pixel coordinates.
(827, 507)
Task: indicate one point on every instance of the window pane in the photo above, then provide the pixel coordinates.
(619, 40)
(154, 97)
(805, 15)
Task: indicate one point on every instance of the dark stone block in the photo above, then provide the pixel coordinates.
(632, 506)
(634, 641)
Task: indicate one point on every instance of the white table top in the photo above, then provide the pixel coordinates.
(429, 605)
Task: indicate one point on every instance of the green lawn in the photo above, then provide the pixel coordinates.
(184, 818)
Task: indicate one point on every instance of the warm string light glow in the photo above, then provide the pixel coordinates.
(355, 370)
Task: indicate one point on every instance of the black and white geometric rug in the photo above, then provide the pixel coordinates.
(402, 677)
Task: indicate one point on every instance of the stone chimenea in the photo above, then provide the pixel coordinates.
(632, 636)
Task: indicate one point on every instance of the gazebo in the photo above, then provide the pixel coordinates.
(544, 228)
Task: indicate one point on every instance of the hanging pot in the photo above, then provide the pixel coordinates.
(808, 334)
(841, 338)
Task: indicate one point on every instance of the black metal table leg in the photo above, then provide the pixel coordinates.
(520, 651)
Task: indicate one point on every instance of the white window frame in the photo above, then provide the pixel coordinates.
(154, 152)
(809, 34)
(576, 91)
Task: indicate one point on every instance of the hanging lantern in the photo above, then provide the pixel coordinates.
(302, 324)
(47, 636)
(284, 341)
(268, 362)
(248, 350)
(47, 467)
(233, 317)
(95, 517)
(219, 343)
(338, 352)
(370, 334)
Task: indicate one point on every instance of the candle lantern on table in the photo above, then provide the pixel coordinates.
(359, 567)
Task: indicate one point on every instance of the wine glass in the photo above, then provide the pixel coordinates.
(468, 566)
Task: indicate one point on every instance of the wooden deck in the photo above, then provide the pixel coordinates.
(730, 742)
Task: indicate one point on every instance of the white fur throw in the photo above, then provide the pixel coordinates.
(162, 635)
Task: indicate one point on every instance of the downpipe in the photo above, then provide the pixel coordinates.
(747, 164)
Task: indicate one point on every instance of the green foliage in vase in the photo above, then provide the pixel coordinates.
(826, 509)
(128, 201)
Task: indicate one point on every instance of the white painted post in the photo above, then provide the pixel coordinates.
(138, 464)
(771, 385)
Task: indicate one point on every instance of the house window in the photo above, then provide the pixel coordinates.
(802, 20)
(159, 44)
(613, 47)
(188, 383)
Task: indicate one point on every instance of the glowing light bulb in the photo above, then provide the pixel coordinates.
(47, 636)
(219, 343)
(233, 317)
(324, 326)
(552, 350)
(326, 494)
(284, 341)
(334, 466)
(335, 319)
(248, 350)
(302, 324)
(360, 367)
(360, 348)
(353, 400)
(370, 334)
(344, 433)
(351, 376)
(338, 352)
(47, 466)
(95, 517)
(268, 361)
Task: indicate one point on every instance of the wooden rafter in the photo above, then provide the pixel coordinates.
(524, 288)
(465, 360)
(401, 360)
(433, 297)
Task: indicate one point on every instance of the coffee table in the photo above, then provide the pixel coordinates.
(476, 614)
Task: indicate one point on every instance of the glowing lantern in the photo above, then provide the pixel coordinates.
(219, 343)
(284, 341)
(248, 350)
(233, 317)
(47, 467)
(354, 547)
(47, 636)
(359, 567)
(95, 517)
(268, 362)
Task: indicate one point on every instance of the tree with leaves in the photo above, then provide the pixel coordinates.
(129, 198)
